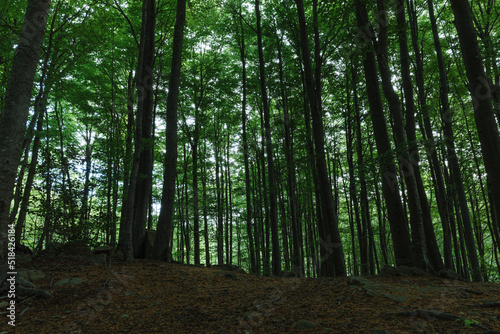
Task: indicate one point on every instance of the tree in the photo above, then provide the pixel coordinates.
(481, 94)
(396, 215)
(273, 205)
(164, 230)
(16, 106)
(330, 238)
(144, 81)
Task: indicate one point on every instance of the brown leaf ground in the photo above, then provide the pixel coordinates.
(157, 297)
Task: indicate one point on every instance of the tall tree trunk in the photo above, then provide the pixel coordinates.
(85, 209)
(196, 213)
(403, 154)
(220, 220)
(205, 210)
(128, 157)
(483, 110)
(248, 188)
(396, 215)
(164, 228)
(330, 239)
(363, 217)
(144, 82)
(437, 174)
(16, 106)
(47, 222)
(68, 200)
(276, 256)
(31, 175)
(431, 246)
(297, 259)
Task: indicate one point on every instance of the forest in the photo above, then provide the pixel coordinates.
(316, 138)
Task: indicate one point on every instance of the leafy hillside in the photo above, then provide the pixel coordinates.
(151, 296)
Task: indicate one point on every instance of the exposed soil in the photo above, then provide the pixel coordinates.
(158, 297)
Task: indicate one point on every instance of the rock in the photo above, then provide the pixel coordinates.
(230, 267)
(396, 298)
(304, 324)
(226, 274)
(31, 274)
(74, 249)
(21, 281)
(412, 271)
(104, 250)
(450, 274)
(70, 281)
(34, 291)
(98, 259)
(287, 274)
(390, 271)
(357, 280)
(402, 271)
(373, 289)
(23, 258)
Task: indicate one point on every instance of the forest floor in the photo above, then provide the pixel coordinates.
(157, 297)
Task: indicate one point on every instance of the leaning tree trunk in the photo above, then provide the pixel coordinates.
(437, 175)
(162, 247)
(396, 215)
(330, 239)
(403, 154)
(431, 248)
(483, 108)
(16, 106)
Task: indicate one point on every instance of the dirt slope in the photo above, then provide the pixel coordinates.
(157, 297)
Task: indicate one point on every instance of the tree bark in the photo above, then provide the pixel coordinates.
(330, 239)
(297, 259)
(431, 245)
(16, 106)
(162, 249)
(248, 187)
(273, 204)
(483, 111)
(144, 82)
(403, 154)
(396, 215)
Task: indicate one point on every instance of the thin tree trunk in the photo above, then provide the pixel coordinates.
(128, 158)
(297, 260)
(220, 227)
(205, 211)
(362, 218)
(248, 188)
(31, 175)
(276, 257)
